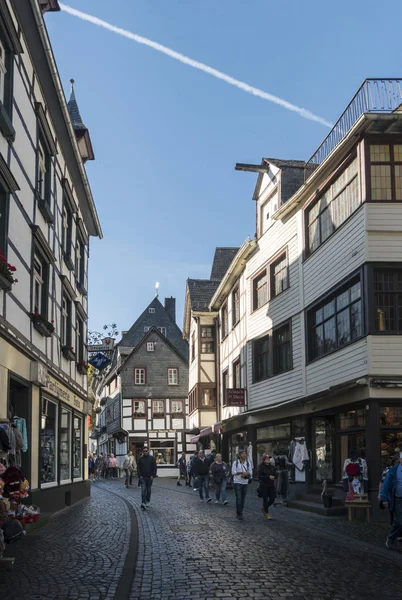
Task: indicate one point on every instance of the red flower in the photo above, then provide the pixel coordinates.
(52, 321)
(13, 269)
(36, 314)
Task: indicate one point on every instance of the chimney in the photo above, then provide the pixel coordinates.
(170, 307)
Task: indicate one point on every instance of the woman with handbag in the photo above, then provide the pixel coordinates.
(219, 473)
(267, 475)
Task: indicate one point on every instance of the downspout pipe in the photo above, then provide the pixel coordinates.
(59, 88)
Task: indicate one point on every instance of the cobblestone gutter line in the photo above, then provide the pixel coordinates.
(80, 554)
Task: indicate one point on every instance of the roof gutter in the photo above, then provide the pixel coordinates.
(60, 92)
(234, 270)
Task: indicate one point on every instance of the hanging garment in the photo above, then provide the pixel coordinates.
(21, 425)
(356, 468)
(300, 456)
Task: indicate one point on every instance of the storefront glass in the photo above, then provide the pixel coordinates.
(391, 416)
(274, 448)
(238, 442)
(163, 451)
(352, 441)
(65, 445)
(352, 419)
(281, 430)
(48, 443)
(323, 450)
(391, 444)
(77, 447)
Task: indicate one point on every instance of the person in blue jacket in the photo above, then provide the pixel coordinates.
(391, 496)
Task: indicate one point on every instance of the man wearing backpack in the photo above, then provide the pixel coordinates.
(241, 476)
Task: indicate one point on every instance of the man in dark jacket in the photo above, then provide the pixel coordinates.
(391, 496)
(201, 470)
(146, 468)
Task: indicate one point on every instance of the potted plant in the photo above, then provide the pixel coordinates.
(138, 415)
(41, 324)
(177, 415)
(324, 473)
(68, 352)
(82, 367)
(158, 415)
(6, 274)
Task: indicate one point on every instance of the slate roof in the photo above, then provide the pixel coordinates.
(222, 259)
(201, 292)
(279, 162)
(74, 112)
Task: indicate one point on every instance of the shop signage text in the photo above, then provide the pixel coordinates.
(162, 431)
(236, 397)
(60, 391)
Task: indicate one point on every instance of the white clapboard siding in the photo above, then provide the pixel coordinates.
(339, 256)
(384, 216)
(279, 236)
(339, 367)
(385, 355)
(384, 246)
(280, 387)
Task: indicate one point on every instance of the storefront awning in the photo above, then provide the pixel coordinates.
(217, 427)
(203, 433)
(195, 439)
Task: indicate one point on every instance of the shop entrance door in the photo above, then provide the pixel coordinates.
(136, 448)
(323, 449)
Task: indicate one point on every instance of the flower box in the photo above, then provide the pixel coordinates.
(82, 367)
(42, 325)
(5, 283)
(158, 415)
(6, 274)
(139, 415)
(177, 415)
(68, 260)
(68, 352)
(81, 288)
(45, 209)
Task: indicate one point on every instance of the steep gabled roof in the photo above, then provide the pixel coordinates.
(201, 292)
(144, 340)
(222, 259)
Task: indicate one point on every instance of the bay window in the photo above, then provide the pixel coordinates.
(386, 172)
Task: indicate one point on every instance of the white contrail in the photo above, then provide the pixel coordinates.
(197, 65)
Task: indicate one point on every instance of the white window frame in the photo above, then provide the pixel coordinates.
(146, 329)
(180, 403)
(141, 412)
(38, 284)
(78, 259)
(80, 420)
(3, 71)
(173, 376)
(64, 320)
(151, 311)
(150, 347)
(56, 442)
(162, 330)
(63, 481)
(157, 412)
(139, 376)
(42, 170)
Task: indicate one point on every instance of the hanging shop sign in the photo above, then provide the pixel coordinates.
(99, 361)
(106, 345)
(235, 397)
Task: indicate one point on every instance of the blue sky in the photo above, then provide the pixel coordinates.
(166, 137)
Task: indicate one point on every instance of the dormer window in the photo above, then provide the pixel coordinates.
(150, 347)
(151, 311)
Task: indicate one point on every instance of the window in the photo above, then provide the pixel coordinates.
(236, 306)
(282, 350)
(336, 321)
(65, 445)
(225, 384)
(150, 347)
(80, 261)
(192, 346)
(151, 311)
(279, 431)
(387, 284)
(173, 376)
(236, 374)
(146, 329)
(279, 275)
(208, 397)
(352, 419)
(386, 171)
(260, 290)
(207, 332)
(225, 321)
(66, 234)
(44, 173)
(261, 358)
(207, 348)
(328, 213)
(79, 339)
(65, 321)
(158, 408)
(163, 451)
(139, 376)
(3, 72)
(8, 50)
(391, 416)
(162, 330)
(40, 285)
(139, 409)
(77, 447)
(48, 443)
(177, 407)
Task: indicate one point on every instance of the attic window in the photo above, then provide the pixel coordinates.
(162, 330)
(151, 310)
(150, 347)
(146, 329)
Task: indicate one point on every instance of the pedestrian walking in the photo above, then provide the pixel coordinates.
(91, 467)
(146, 469)
(391, 497)
(267, 475)
(190, 470)
(201, 470)
(211, 457)
(219, 474)
(112, 467)
(132, 467)
(181, 463)
(241, 476)
(127, 469)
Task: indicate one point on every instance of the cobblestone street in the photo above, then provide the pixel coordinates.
(191, 550)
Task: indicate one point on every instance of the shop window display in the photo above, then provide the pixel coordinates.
(238, 441)
(391, 416)
(282, 430)
(352, 419)
(350, 442)
(391, 444)
(48, 443)
(65, 445)
(77, 447)
(163, 451)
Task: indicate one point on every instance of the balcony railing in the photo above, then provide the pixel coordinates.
(374, 95)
